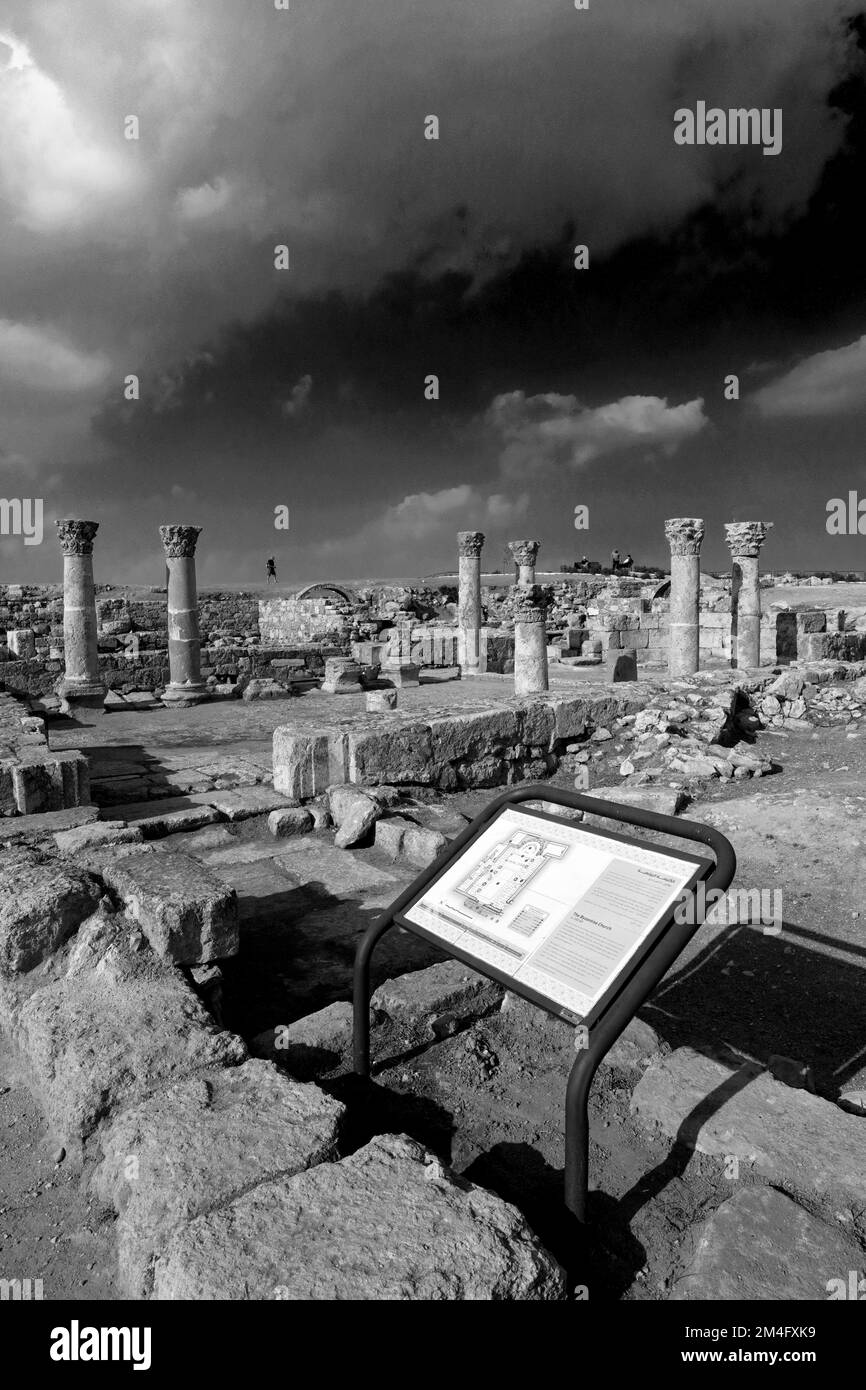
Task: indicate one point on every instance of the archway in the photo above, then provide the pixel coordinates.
(331, 591)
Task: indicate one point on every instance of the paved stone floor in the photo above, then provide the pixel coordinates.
(138, 754)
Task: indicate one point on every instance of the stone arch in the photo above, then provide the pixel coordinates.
(663, 590)
(331, 591)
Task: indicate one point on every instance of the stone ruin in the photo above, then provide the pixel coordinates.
(114, 943)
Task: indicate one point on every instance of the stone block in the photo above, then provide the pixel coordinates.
(623, 665)
(42, 902)
(306, 764)
(400, 673)
(354, 813)
(319, 1044)
(536, 723)
(342, 676)
(242, 802)
(445, 1241)
(166, 816)
(50, 781)
(381, 701)
(192, 1151)
(472, 736)
(417, 1008)
(292, 820)
(421, 846)
(812, 646)
(811, 620)
(399, 755)
(119, 1025)
(188, 914)
(264, 689)
(666, 801)
(389, 834)
(21, 642)
(102, 833)
(760, 1246)
(801, 1143)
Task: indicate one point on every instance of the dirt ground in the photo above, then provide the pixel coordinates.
(490, 1100)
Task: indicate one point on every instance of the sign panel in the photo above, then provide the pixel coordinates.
(557, 908)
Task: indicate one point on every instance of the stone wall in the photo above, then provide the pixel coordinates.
(483, 748)
(303, 620)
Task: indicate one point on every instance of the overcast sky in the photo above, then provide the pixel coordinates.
(409, 257)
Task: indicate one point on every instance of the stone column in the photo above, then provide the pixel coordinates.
(82, 687)
(525, 554)
(685, 534)
(469, 545)
(184, 638)
(745, 539)
(530, 640)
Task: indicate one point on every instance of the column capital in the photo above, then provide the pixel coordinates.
(470, 542)
(179, 541)
(524, 552)
(529, 603)
(76, 537)
(684, 534)
(746, 537)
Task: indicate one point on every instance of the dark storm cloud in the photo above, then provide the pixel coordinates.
(408, 257)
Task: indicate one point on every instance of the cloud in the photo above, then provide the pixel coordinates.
(197, 204)
(828, 383)
(53, 171)
(11, 460)
(552, 429)
(298, 397)
(423, 514)
(45, 359)
(426, 520)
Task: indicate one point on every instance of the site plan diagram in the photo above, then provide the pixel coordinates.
(559, 908)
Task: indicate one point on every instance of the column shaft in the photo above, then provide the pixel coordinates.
(469, 600)
(685, 535)
(530, 641)
(184, 635)
(81, 679)
(745, 539)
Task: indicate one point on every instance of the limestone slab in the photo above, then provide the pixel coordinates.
(248, 801)
(188, 914)
(87, 836)
(292, 820)
(41, 904)
(387, 1223)
(117, 1026)
(167, 816)
(800, 1142)
(191, 1152)
(761, 1246)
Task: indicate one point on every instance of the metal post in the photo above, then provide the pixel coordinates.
(633, 993)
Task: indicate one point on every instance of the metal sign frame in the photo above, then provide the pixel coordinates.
(645, 968)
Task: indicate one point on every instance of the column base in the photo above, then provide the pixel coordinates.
(402, 673)
(83, 701)
(180, 696)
